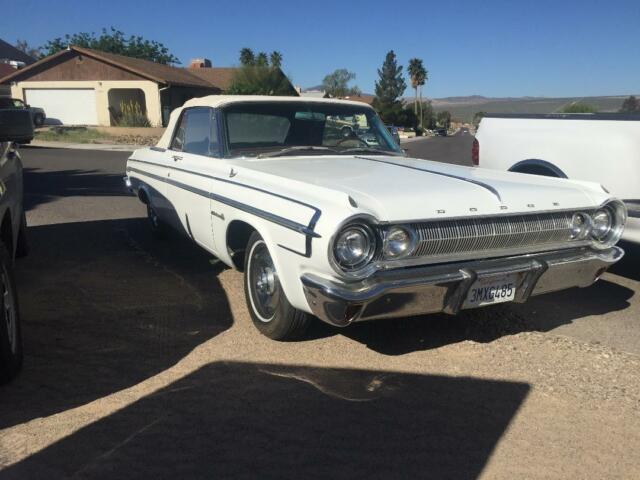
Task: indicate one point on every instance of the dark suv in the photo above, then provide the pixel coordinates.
(37, 114)
(15, 127)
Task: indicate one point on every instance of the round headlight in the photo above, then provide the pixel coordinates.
(399, 242)
(354, 247)
(601, 224)
(579, 226)
(607, 224)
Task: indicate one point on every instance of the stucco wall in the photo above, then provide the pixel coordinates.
(101, 88)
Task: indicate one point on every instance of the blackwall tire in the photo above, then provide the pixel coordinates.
(10, 333)
(158, 227)
(271, 312)
(22, 246)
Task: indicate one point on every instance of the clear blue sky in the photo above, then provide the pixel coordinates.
(495, 48)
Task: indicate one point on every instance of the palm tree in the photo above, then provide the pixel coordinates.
(414, 69)
(276, 59)
(262, 60)
(247, 57)
(422, 79)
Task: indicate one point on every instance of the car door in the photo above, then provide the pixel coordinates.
(189, 178)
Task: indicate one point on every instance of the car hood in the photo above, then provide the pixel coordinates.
(399, 188)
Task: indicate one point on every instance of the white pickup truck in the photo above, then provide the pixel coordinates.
(602, 148)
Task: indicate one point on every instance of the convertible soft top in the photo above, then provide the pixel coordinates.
(216, 101)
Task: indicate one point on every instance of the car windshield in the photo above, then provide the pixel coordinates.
(268, 129)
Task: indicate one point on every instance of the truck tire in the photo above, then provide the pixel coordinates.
(10, 334)
(22, 246)
(38, 119)
(271, 312)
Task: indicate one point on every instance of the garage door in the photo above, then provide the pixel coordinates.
(66, 106)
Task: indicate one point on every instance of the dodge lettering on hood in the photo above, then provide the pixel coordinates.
(319, 207)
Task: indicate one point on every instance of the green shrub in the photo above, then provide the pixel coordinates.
(131, 115)
(578, 107)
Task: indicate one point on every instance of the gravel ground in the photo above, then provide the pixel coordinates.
(142, 363)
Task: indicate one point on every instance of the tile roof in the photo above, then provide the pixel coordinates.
(158, 72)
(219, 76)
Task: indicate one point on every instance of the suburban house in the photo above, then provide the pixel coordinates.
(11, 59)
(80, 86)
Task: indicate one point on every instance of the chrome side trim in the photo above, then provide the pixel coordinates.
(284, 222)
(435, 172)
(309, 229)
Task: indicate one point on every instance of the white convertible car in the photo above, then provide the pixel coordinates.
(324, 222)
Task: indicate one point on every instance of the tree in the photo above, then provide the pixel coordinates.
(389, 89)
(24, 47)
(276, 59)
(260, 80)
(444, 119)
(336, 84)
(630, 105)
(262, 60)
(578, 107)
(113, 41)
(247, 57)
(477, 118)
(418, 75)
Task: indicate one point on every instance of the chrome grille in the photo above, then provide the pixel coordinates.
(488, 234)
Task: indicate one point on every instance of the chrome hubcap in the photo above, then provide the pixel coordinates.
(9, 312)
(263, 281)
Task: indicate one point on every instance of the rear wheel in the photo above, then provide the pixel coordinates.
(270, 310)
(158, 227)
(38, 119)
(10, 335)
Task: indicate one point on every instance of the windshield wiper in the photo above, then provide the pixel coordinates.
(377, 151)
(299, 148)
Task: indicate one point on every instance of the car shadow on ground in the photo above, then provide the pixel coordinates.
(238, 420)
(629, 266)
(43, 186)
(104, 307)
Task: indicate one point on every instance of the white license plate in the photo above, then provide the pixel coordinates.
(487, 291)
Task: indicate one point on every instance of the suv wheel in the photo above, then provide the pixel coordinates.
(22, 247)
(38, 119)
(10, 335)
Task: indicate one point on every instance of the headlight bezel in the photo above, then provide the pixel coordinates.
(411, 234)
(618, 213)
(367, 225)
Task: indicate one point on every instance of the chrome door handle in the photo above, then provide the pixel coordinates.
(176, 158)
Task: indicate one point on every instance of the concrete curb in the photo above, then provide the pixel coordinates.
(86, 146)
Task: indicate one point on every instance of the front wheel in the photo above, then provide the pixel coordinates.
(270, 310)
(10, 336)
(22, 247)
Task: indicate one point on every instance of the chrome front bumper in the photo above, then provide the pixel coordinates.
(443, 288)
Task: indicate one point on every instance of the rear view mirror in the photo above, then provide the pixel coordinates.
(16, 126)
